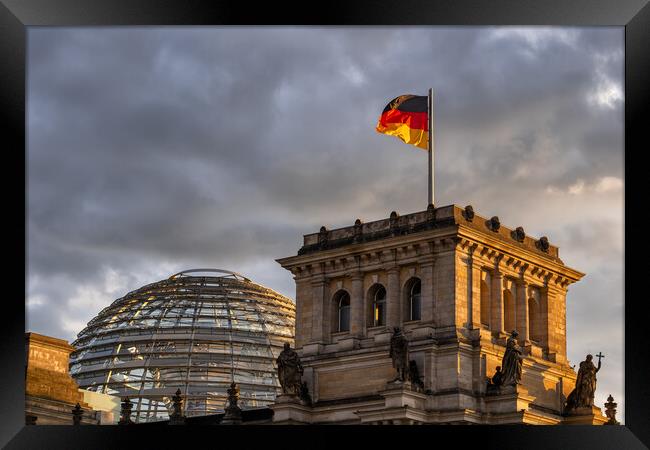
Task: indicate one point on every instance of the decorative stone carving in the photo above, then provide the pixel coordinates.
(393, 222)
(399, 354)
(494, 224)
(431, 213)
(176, 417)
(512, 361)
(289, 370)
(125, 413)
(305, 398)
(583, 394)
(468, 213)
(414, 376)
(358, 231)
(543, 244)
(322, 237)
(233, 411)
(610, 411)
(494, 384)
(518, 234)
(77, 413)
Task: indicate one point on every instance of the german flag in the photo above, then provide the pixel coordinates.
(407, 118)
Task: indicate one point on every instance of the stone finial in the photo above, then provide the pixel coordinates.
(233, 411)
(322, 236)
(176, 417)
(494, 224)
(468, 213)
(393, 222)
(125, 413)
(77, 413)
(543, 244)
(30, 419)
(518, 234)
(431, 212)
(610, 411)
(358, 231)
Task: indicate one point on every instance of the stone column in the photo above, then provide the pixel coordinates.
(556, 324)
(392, 298)
(476, 296)
(319, 310)
(303, 318)
(473, 291)
(357, 327)
(522, 312)
(426, 294)
(496, 300)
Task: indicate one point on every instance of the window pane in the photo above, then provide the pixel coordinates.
(415, 300)
(344, 318)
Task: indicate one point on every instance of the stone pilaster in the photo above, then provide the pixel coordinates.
(476, 295)
(320, 312)
(357, 316)
(555, 331)
(444, 288)
(303, 311)
(393, 318)
(427, 299)
(522, 312)
(496, 324)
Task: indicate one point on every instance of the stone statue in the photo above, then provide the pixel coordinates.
(497, 379)
(233, 414)
(493, 386)
(289, 370)
(305, 397)
(610, 411)
(77, 414)
(583, 394)
(511, 362)
(414, 376)
(399, 353)
(176, 417)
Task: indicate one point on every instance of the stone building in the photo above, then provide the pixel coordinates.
(50, 391)
(456, 283)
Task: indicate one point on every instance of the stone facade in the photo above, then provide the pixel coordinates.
(477, 280)
(50, 391)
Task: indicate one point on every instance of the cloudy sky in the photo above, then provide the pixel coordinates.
(154, 150)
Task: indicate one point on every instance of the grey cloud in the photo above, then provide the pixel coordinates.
(154, 149)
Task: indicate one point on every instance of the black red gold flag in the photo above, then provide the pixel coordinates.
(407, 118)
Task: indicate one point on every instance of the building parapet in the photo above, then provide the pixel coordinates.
(430, 219)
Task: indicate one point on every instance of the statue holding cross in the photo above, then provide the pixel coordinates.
(583, 394)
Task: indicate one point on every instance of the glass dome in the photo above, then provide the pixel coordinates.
(198, 330)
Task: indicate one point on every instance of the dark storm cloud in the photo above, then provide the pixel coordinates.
(152, 150)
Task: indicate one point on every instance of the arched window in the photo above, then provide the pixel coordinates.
(343, 308)
(379, 306)
(414, 302)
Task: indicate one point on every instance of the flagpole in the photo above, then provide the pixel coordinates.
(431, 146)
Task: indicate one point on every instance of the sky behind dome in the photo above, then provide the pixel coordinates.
(158, 149)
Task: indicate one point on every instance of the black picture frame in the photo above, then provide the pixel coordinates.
(16, 15)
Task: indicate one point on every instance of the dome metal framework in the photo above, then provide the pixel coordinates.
(191, 331)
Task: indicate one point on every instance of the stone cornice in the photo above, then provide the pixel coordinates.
(519, 259)
(410, 238)
(48, 341)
